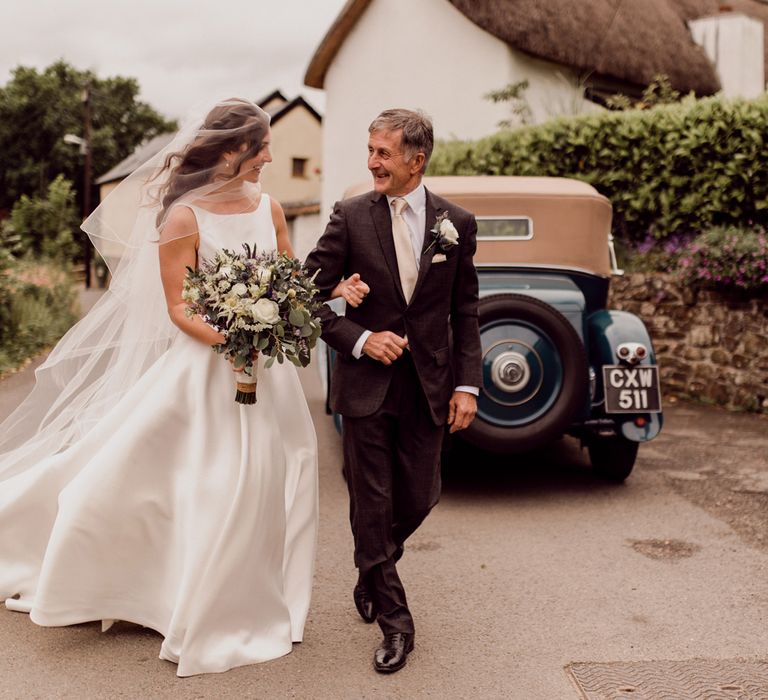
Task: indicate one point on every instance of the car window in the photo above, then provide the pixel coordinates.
(506, 228)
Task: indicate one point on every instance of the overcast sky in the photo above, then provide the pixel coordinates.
(183, 52)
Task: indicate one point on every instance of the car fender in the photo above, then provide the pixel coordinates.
(606, 330)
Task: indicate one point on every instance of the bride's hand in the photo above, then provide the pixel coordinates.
(352, 289)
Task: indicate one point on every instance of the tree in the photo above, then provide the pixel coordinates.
(514, 95)
(38, 108)
(658, 92)
(45, 226)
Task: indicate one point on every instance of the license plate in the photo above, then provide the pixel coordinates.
(631, 389)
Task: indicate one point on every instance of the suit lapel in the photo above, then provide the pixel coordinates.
(382, 223)
(426, 257)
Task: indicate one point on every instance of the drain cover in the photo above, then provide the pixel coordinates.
(672, 680)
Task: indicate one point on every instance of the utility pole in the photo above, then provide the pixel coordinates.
(84, 143)
(86, 99)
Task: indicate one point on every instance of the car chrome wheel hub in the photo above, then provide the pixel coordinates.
(522, 373)
(510, 371)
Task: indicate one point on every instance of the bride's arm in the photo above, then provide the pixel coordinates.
(281, 229)
(178, 249)
(353, 289)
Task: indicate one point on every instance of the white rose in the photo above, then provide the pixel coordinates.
(266, 311)
(225, 271)
(448, 232)
(265, 276)
(240, 289)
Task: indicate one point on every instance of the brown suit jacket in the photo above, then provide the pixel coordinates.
(440, 321)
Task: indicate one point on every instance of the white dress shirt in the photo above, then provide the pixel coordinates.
(415, 215)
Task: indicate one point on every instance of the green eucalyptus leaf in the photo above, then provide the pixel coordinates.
(296, 317)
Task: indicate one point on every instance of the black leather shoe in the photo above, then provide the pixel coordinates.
(393, 652)
(363, 603)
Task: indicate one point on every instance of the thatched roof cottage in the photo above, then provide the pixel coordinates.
(446, 55)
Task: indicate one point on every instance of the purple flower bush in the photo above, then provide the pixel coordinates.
(654, 255)
(724, 258)
(727, 258)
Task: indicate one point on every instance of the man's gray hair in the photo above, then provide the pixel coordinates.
(416, 127)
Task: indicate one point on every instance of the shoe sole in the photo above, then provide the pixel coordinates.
(389, 669)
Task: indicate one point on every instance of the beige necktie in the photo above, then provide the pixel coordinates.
(406, 262)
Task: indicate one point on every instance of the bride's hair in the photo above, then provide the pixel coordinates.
(234, 125)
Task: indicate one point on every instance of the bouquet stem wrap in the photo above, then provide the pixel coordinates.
(246, 386)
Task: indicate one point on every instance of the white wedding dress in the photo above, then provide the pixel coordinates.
(181, 510)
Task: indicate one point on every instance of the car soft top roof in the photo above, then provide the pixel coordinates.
(570, 219)
(492, 185)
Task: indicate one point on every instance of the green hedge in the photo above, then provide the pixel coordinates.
(37, 306)
(674, 169)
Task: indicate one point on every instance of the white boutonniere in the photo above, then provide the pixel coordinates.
(444, 233)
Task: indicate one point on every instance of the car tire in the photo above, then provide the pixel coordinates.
(566, 401)
(612, 458)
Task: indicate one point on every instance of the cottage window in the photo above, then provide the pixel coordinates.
(299, 167)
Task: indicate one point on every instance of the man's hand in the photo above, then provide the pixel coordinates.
(385, 346)
(461, 410)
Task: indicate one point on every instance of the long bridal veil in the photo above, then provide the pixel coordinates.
(104, 354)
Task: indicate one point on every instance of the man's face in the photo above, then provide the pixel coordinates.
(392, 175)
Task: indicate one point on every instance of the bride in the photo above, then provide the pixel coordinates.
(132, 486)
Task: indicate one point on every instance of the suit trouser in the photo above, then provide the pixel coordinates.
(392, 465)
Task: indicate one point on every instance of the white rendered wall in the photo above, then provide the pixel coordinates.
(426, 55)
(296, 135)
(304, 231)
(115, 212)
(734, 43)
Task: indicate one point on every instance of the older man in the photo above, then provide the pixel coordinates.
(408, 357)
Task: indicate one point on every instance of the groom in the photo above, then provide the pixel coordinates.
(408, 358)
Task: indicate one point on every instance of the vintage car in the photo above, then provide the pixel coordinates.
(555, 360)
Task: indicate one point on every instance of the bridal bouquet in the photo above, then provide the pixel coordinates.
(261, 303)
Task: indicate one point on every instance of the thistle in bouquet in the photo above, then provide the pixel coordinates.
(261, 302)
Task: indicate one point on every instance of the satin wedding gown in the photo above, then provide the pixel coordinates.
(181, 510)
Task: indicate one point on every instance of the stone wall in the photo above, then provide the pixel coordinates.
(710, 346)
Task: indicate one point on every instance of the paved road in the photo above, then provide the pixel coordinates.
(527, 565)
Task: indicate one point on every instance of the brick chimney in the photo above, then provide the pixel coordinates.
(734, 44)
